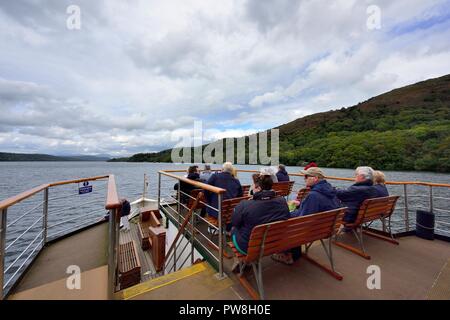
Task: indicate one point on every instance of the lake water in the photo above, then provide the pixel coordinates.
(69, 210)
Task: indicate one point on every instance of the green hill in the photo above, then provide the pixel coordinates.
(4, 156)
(404, 129)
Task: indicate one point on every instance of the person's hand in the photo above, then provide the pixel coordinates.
(296, 202)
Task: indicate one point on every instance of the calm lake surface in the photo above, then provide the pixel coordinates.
(68, 209)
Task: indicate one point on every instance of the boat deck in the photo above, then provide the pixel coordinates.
(416, 269)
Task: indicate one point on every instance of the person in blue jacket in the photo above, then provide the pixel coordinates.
(282, 174)
(224, 180)
(322, 196)
(379, 184)
(264, 207)
(353, 196)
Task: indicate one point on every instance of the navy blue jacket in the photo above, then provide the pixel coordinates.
(353, 196)
(382, 190)
(225, 181)
(282, 175)
(265, 207)
(186, 188)
(322, 197)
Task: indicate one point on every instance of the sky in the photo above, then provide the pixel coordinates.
(134, 76)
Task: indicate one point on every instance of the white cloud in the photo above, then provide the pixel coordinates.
(140, 70)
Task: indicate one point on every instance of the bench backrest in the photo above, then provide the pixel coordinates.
(284, 188)
(194, 194)
(376, 208)
(245, 190)
(228, 207)
(279, 236)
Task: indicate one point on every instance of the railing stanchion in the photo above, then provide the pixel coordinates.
(192, 236)
(113, 251)
(431, 199)
(405, 197)
(3, 218)
(45, 213)
(219, 207)
(179, 202)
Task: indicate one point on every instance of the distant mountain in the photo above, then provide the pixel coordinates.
(404, 129)
(45, 157)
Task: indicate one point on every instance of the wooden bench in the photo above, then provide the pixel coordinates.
(284, 188)
(144, 235)
(371, 210)
(129, 265)
(246, 190)
(280, 236)
(227, 213)
(194, 194)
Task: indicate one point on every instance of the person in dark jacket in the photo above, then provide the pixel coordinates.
(187, 188)
(224, 180)
(379, 184)
(322, 196)
(353, 196)
(264, 207)
(282, 174)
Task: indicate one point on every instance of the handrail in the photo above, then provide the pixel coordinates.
(26, 194)
(200, 185)
(419, 183)
(112, 198)
(59, 183)
(22, 196)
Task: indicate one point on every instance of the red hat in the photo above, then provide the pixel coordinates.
(310, 165)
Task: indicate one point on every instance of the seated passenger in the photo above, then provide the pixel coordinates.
(379, 184)
(263, 208)
(206, 173)
(226, 181)
(353, 196)
(186, 188)
(322, 196)
(282, 174)
(269, 171)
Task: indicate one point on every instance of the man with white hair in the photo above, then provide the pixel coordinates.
(353, 196)
(224, 180)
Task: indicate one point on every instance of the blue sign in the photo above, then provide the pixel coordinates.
(86, 188)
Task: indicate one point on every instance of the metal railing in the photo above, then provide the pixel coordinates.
(192, 237)
(22, 238)
(432, 197)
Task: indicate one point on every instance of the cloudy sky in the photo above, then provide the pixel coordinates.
(137, 74)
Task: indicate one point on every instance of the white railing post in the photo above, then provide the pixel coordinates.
(45, 219)
(219, 208)
(405, 197)
(3, 218)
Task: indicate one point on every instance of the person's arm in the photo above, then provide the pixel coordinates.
(211, 182)
(346, 194)
(310, 205)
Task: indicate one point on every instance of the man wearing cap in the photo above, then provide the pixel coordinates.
(322, 196)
